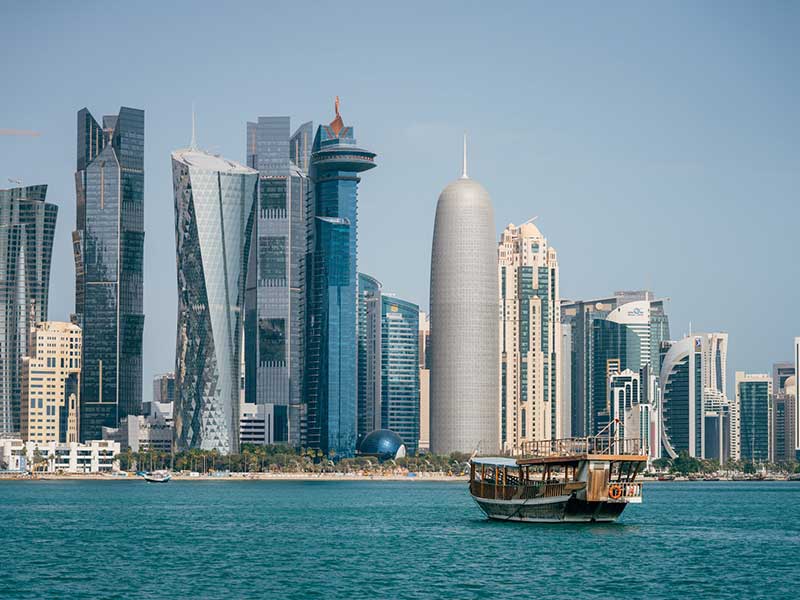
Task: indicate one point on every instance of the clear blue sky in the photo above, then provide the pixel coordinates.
(659, 144)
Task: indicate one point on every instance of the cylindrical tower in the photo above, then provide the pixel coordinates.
(464, 346)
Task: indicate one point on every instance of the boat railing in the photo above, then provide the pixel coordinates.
(525, 491)
(575, 446)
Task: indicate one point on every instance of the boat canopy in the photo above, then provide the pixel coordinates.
(499, 461)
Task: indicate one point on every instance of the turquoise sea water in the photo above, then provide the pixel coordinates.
(282, 539)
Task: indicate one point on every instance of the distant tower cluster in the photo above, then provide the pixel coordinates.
(464, 331)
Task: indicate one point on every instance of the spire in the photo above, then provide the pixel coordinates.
(464, 169)
(193, 143)
(337, 124)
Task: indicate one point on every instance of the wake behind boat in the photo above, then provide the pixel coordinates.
(158, 477)
(583, 480)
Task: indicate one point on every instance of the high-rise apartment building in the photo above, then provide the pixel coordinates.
(215, 203)
(369, 355)
(330, 306)
(753, 395)
(464, 329)
(784, 414)
(599, 331)
(108, 247)
(27, 226)
(275, 283)
(424, 384)
(51, 384)
(530, 337)
(400, 369)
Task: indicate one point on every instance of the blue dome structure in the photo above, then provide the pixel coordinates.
(383, 444)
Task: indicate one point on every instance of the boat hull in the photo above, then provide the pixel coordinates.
(558, 509)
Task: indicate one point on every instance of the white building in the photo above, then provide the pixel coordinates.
(257, 423)
(797, 395)
(530, 338)
(95, 456)
(141, 433)
(424, 384)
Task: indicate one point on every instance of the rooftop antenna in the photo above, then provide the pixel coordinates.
(193, 143)
(464, 170)
(17, 181)
(531, 220)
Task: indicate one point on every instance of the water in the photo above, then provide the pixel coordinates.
(283, 539)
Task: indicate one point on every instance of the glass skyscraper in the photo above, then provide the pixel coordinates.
(753, 395)
(275, 283)
(214, 211)
(330, 307)
(108, 246)
(27, 225)
(399, 400)
(369, 355)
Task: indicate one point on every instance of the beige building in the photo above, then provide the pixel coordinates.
(530, 338)
(50, 382)
(424, 384)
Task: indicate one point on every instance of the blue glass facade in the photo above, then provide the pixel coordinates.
(108, 246)
(273, 306)
(400, 370)
(27, 226)
(369, 355)
(330, 307)
(754, 418)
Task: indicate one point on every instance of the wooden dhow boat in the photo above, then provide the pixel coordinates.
(581, 480)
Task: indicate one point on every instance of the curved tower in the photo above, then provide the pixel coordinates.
(464, 345)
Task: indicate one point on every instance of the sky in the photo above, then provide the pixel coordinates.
(658, 145)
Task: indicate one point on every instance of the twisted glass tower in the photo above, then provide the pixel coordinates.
(214, 211)
(330, 306)
(108, 246)
(27, 225)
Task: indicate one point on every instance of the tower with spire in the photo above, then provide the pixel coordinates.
(464, 329)
(330, 373)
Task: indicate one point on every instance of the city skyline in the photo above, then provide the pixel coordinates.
(695, 149)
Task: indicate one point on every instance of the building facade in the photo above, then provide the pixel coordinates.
(51, 377)
(163, 392)
(594, 340)
(682, 410)
(369, 355)
(400, 370)
(753, 395)
(797, 397)
(464, 344)
(215, 203)
(108, 247)
(95, 456)
(275, 282)
(330, 378)
(424, 384)
(27, 226)
(784, 415)
(530, 337)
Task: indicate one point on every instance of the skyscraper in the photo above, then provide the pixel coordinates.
(530, 337)
(51, 384)
(682, 397)
(797, 397)
(215, 203)
(424, 384)
(369, 355)
(464, 329)
(400, 369)
(27, 225)
(275, 282)
(753, 393)
(108, 246)
(330, 306)
(590, 341)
